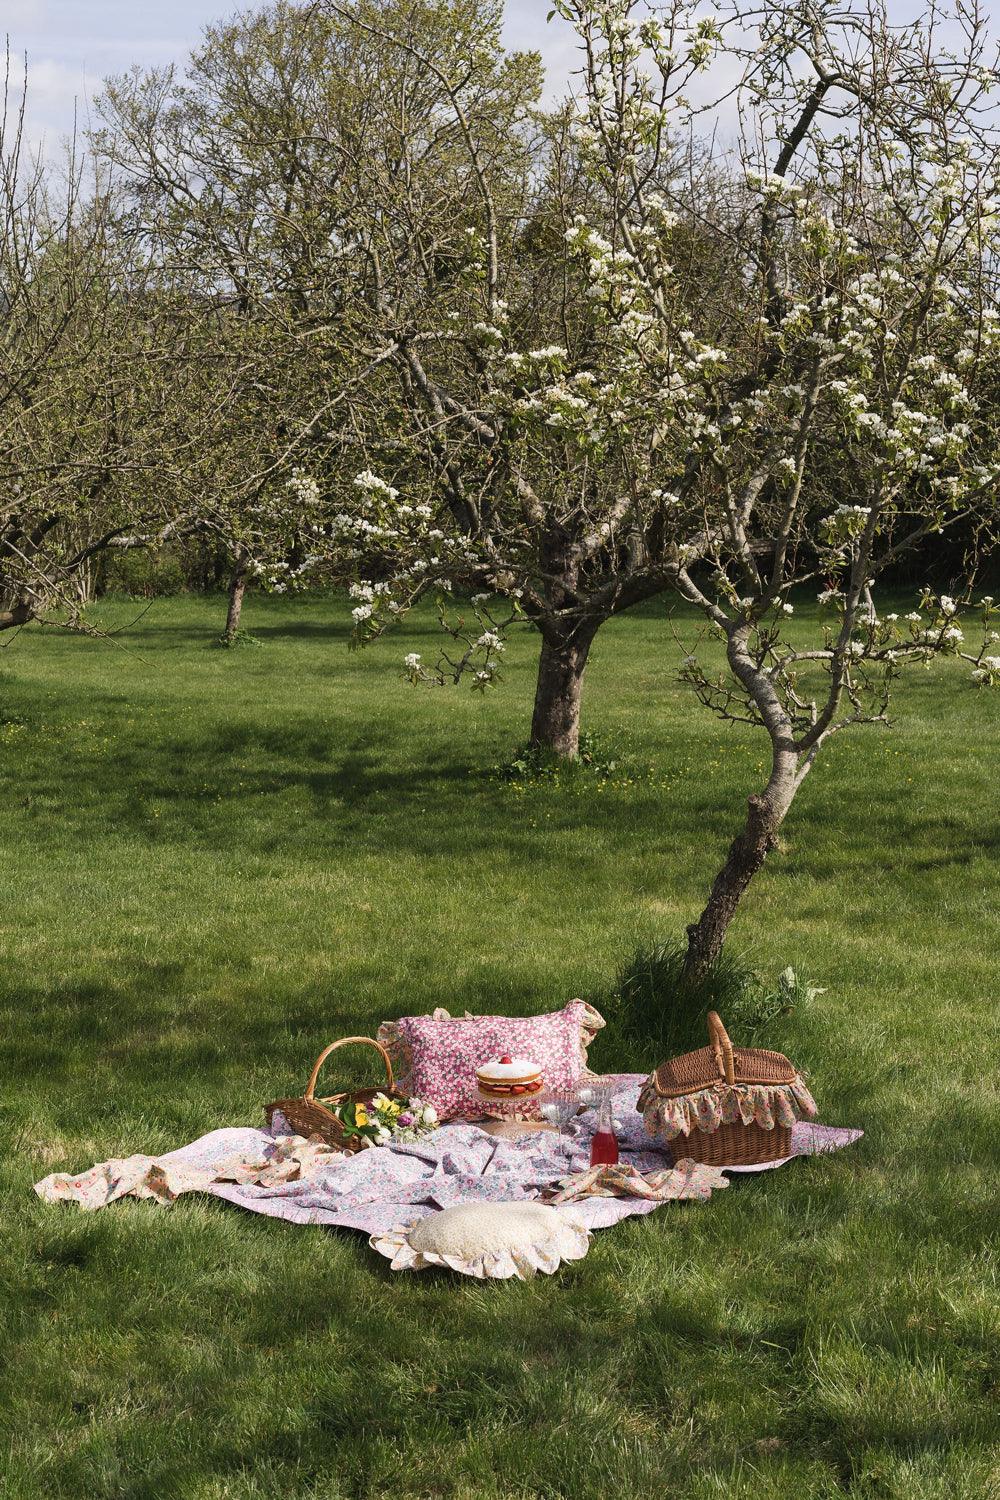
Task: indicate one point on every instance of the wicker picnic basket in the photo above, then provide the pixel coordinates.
(733, 1106)
(310, 1116)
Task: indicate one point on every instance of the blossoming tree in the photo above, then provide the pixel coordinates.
(767, 376)
(845, 427)
(545, 391)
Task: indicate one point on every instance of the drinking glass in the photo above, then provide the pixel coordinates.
(560, 1107)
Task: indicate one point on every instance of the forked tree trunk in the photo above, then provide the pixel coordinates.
(555, 723)
(237, 589)
(765, 814)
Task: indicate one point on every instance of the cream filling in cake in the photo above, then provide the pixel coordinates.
(509, 1076)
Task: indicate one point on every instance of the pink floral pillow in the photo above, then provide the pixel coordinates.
(435, 1057)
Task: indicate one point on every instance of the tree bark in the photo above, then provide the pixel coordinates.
(765, 814)
(19, 614)
(555, 723)
(237, 588)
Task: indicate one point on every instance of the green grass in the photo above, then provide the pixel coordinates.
(213, 862)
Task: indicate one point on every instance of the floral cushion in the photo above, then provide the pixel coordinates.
(435, 1058)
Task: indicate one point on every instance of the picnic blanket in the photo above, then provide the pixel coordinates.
(383, 1188)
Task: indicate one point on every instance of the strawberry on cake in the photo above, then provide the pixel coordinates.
(509, 1078)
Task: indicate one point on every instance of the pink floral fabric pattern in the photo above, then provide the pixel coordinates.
(435, 1057)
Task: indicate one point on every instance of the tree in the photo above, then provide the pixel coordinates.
(845, 427)
(811, 423)
(539, 386)
(91, 437)
(245, 170)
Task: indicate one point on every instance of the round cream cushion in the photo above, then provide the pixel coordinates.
(489, 1240)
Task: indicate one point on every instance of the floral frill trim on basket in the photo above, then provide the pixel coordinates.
(763, 1104)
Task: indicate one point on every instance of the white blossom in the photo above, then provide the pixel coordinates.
(374, 485)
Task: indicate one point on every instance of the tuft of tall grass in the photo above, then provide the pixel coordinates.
(659, 1010)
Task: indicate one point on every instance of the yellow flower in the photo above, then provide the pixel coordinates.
(360, 1115)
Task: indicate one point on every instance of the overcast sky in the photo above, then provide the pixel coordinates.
(72, 45)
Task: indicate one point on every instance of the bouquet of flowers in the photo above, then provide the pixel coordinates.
(382, 1119)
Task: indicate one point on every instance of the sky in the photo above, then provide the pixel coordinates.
(72, 45)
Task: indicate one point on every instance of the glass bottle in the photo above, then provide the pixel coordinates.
(604, 1142)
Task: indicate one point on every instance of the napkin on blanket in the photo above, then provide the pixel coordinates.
(688, 1179)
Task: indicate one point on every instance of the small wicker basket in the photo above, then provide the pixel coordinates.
(310, 1116)
(711, 1067)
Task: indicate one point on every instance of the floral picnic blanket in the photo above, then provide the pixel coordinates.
(381, 1189)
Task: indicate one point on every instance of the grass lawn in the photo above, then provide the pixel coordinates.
(213, 862)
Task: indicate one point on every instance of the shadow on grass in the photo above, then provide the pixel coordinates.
(301, 789)
(306, 630)
(139, 1037)
(878, 1432)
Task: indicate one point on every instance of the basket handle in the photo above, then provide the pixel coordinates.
(348, 1041)
(722, 1047)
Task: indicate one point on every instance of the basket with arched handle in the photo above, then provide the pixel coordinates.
(309, 1116)
(719, 1067)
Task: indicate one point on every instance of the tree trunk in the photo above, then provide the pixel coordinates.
(237, 588)
(555, 723)
(18, 614)
(765, 814)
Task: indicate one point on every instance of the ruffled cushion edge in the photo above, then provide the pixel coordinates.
(763, 1104)
(570, 1241)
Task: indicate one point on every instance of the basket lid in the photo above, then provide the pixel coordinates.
(707, 1065)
